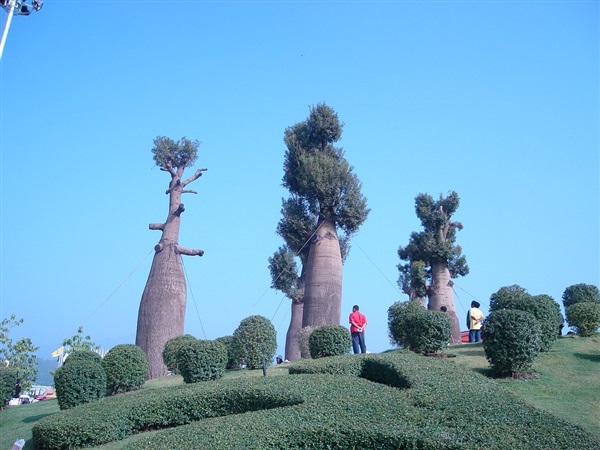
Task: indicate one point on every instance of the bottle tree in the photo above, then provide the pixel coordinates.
(162, 307)
(317, 172)
(431, 258)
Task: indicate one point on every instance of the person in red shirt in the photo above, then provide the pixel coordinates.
(358, 322)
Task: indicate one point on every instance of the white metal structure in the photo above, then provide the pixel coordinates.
(20, 8)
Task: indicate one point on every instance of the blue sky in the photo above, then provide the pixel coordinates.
(498, 101)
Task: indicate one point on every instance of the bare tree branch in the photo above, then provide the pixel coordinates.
(194, 177)
(188, 191)
(157, 226)
(189, 251)
(179, 210)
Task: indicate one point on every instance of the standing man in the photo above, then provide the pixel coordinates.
(475, 319)
(358, 322)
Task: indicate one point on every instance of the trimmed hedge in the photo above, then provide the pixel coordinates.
(401, 401)
(126, 368)
(329, 340)
(79, 382)
(201, 360)
(227, 341)
(581, 293)
(117, 417)
(396, 400)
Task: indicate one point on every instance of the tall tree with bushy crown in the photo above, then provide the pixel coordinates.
(319, 176)
(432, 258)
(162, 308)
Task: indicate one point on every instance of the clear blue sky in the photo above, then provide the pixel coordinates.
(498, 101)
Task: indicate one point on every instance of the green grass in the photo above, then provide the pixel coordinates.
(567, 388)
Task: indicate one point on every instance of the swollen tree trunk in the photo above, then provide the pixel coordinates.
(440, 294)
(162, 308)
(292, 338)
(323, 283)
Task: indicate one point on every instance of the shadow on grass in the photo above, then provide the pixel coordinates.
(32, 419)
(589, 357)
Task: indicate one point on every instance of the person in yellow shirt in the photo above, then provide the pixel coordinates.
(475, 319)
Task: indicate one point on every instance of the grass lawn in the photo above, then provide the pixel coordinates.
(567, 388)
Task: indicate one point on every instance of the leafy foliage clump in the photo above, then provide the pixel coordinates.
(19, 355)
(201, 360)
(229, 344)
(581, 293)
(169, 353)
(255, 341)
(82, 355)
(413, 327)
(584, 317)
(543, 307)
(8, 382)
(329, 340)
(79, 382)
(512, 339)
(126, 368)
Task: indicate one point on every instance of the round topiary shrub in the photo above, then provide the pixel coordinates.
(401, 321)
(227, 341)
(79, 382)
(584, 317)
(169, 353)
(82, 355)
(430, 332)
(581, 293)
(201, 360)
(543, 307)
(126, 368)
(329, 340)
(511, 340)
(255, 341)
(8, 382)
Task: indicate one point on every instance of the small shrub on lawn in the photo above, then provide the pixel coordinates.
(126, 368)
(584, 317)
(201, 360)
(169, 353)
(430, 332)
(329, 340)
(511, 340)
(401, 317)
(255, 341)
(79, 382)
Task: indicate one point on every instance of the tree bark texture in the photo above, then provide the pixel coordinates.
(162, 308)
(440, 293)
(292, 338)
(323, 283)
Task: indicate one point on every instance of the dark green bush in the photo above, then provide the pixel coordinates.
(581, 293)
(227, 341)
(584, 317)
(126, 368)
(201, 360)
(401, 323)
(79, 382)
(511, 340)
(543, 307)
(8, 382)
(82, 355)
(329, 340)
(430, 332)
(255, 341)
(169, 353)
